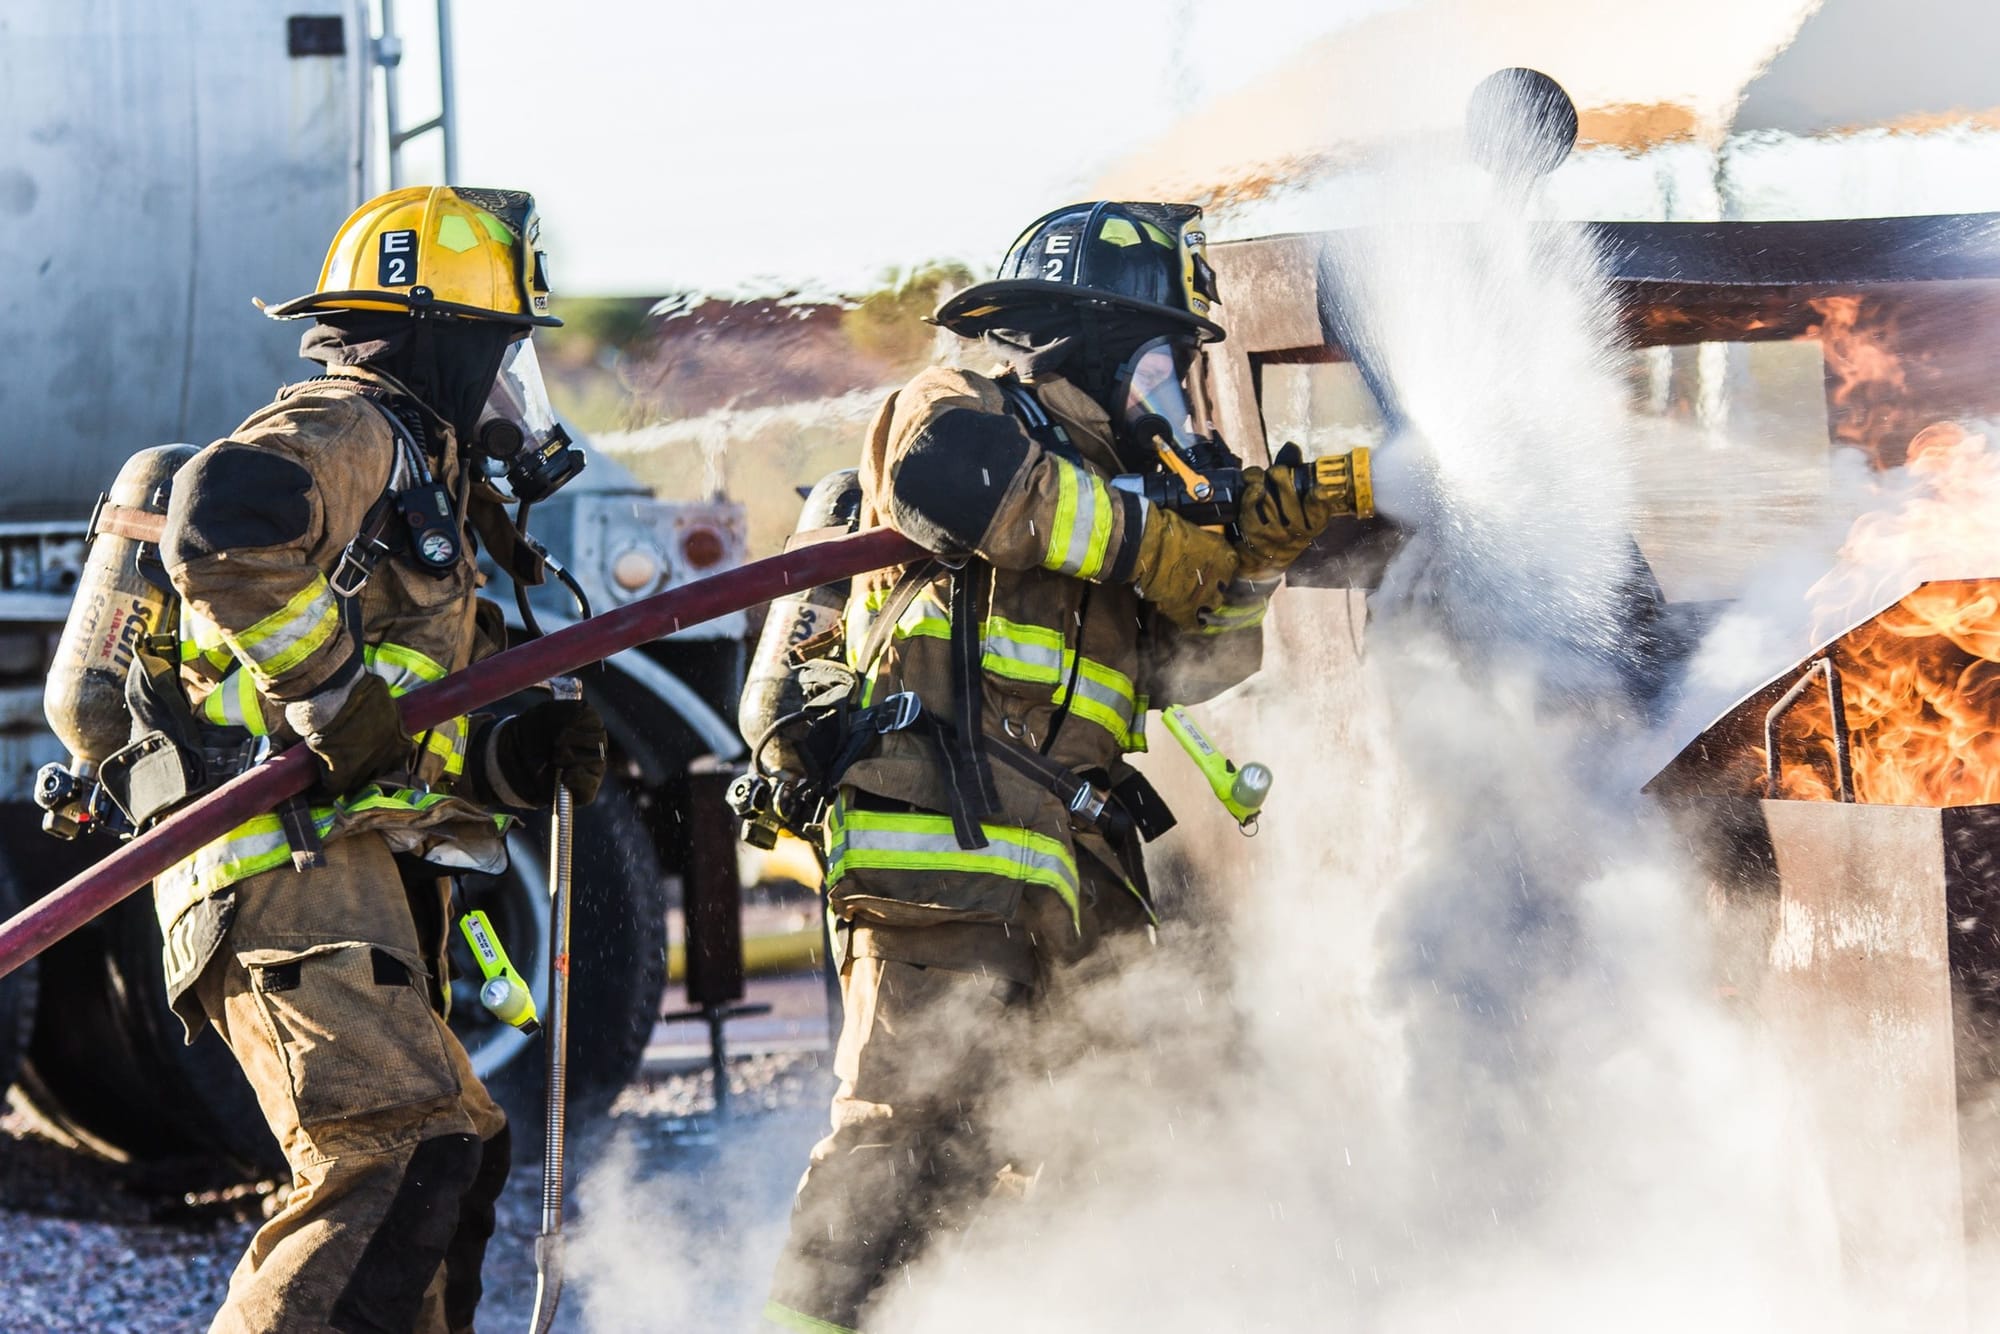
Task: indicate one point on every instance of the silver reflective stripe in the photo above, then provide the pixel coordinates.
(1083, 525)
(923, 842)
(1037, 661)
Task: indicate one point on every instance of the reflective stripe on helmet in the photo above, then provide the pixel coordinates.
(921, 842)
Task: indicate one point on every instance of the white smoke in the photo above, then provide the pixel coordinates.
(1466, 1066)
(1446, 1050)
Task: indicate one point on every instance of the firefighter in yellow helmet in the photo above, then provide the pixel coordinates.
(988, 844)
(323, 557)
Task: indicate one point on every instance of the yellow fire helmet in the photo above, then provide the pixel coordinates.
(436, 250)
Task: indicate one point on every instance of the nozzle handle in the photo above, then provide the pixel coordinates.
(1348, 479)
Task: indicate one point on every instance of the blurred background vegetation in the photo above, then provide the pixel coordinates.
(751, 397)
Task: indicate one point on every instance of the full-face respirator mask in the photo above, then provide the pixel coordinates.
(518, 431)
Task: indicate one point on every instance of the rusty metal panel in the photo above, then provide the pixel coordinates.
(1859, 1001)
(1233, 384)
(1270, 292)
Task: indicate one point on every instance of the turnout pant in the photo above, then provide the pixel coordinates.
(922, 1046)
(322, 990)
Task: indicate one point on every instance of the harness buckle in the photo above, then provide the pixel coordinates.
(1088, 803)
(357, 562)
(903, 708)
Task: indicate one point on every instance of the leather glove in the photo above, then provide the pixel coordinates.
(1181, 567)
(1274, 525)
(558, 740)
(363, 740)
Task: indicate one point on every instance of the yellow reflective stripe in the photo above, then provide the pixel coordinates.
(921, 841)
(395, 799)
(1036, 655)
(447, 739)
(1081, 533)
(291, 634)
(1104, 697)
(202, 641)
(1023, 652)
(786, 1318)
(1065, 520)
(1100, 529)
(403, 659)
(1227, 618)
(259, 845)
(235, 703)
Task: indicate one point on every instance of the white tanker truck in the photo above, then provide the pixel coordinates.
(161, 166)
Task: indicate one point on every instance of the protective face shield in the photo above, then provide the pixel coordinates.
(1151, 404)
(518, 428)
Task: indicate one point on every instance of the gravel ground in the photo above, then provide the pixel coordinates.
(672, 1222)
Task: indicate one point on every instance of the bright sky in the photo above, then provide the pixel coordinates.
(783, 142)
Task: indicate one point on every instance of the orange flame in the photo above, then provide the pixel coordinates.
(1921, 685)
(1920, 681)
(1867, 382)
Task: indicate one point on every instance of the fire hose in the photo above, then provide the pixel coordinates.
(290, 772)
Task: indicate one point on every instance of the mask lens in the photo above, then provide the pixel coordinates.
(519, 433)
(1155, 398)
(519, 396)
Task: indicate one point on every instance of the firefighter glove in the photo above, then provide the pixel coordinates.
(1276, 523)
(558, 740)
(363, 740)
(1182, 568)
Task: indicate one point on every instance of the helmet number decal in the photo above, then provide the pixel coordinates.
(1052, 265)
(398, 261)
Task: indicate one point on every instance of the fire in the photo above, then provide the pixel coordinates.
(1921, 680)
(1921, 686)
(1873, 383)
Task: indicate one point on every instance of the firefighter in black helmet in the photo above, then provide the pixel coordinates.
(978, 865)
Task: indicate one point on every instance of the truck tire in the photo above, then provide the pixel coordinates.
(618, 964)
(107, 1072)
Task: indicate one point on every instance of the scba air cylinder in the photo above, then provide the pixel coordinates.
(771, 690)
(116, 608)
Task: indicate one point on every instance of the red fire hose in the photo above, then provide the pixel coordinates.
(289, 773)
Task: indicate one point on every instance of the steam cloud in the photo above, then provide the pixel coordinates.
(1447, 1054)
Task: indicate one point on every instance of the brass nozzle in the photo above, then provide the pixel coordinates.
(1348, 480)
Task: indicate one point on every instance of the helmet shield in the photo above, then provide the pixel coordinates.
(1150, 398)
